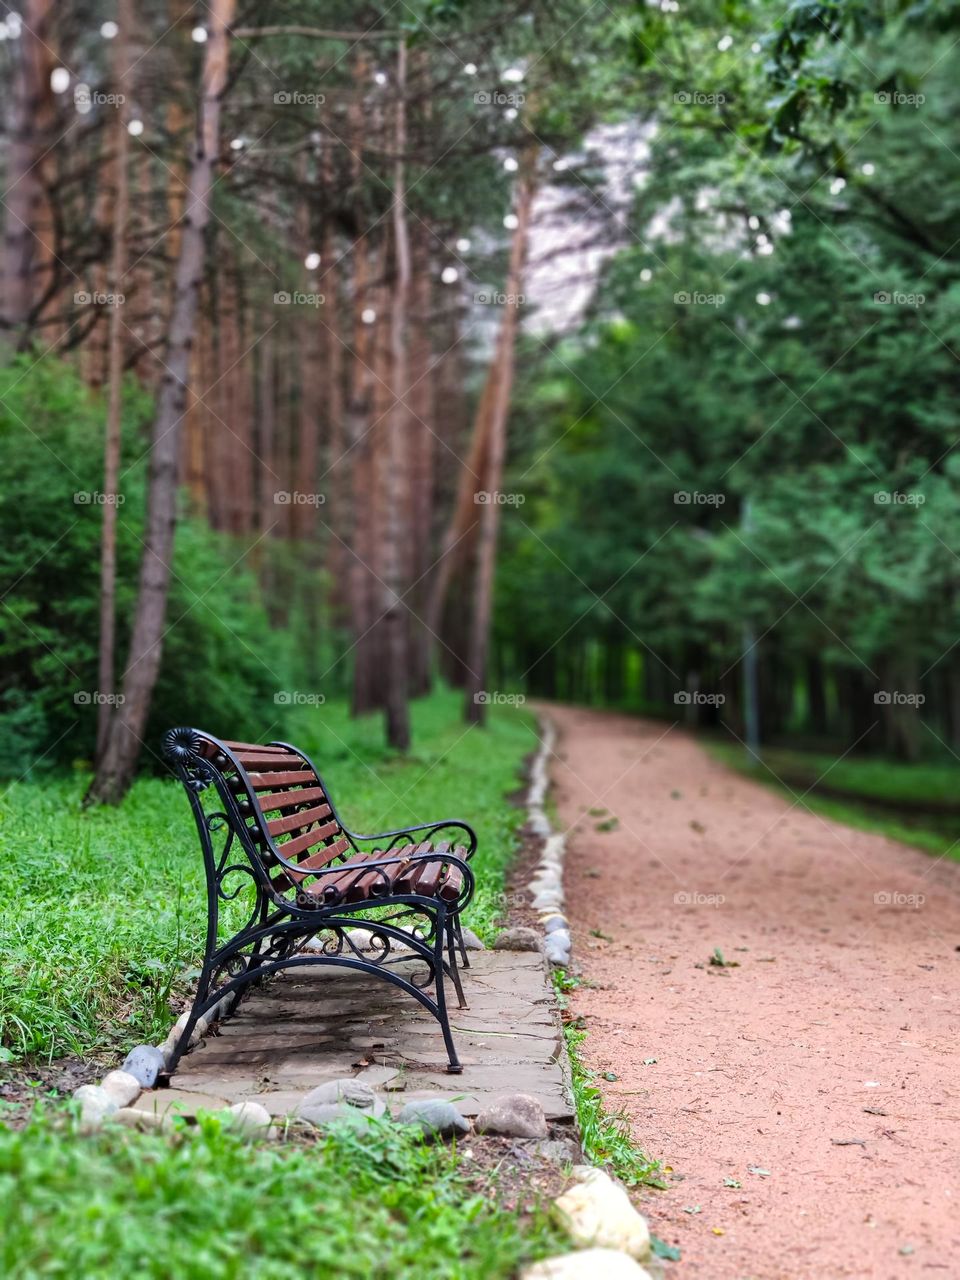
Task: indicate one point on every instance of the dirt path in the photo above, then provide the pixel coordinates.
(828, 1058)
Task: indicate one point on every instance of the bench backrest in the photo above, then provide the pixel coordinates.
(280, 799)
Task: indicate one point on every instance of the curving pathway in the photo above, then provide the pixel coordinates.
(806, 1101)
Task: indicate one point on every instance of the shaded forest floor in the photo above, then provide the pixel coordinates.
(768, 997)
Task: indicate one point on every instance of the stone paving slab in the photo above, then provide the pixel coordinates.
(310, 1026)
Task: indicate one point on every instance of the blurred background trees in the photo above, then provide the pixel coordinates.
(631, 335)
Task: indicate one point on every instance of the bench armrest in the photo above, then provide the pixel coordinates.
(426, 829)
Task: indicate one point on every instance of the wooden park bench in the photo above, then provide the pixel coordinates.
(272, 839)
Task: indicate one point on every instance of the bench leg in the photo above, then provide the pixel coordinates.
(460, 943)
(453, 1067)
(452, 954)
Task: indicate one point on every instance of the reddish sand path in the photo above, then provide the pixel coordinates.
(839, 1023)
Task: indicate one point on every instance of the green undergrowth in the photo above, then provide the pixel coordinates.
(201, 1204)
(102, 912)
(604, 1135)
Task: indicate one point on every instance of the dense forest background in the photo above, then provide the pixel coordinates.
(605, 353)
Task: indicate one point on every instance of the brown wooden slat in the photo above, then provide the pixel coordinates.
(253, 746)
(452, 884)
(268, 760)
(265, 781)
(325, 856)
(406, 875)
(285, 799)
(330, 887)
(294, 821)
(300, 843)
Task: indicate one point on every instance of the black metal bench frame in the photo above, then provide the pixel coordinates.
(237, 848)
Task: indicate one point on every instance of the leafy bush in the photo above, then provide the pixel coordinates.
(219, 652)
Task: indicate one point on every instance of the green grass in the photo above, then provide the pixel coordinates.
(102, 912)
(882, 785)
(604, 1135)
(201, 1205)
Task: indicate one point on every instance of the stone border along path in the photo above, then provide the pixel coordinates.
(514, 1028)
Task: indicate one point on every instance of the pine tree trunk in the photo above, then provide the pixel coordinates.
(23, 185)
(501, 379)
(106, 673)
(116, 766)
(393, 610)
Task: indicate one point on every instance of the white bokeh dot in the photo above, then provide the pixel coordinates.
(449, 275)
(312, 261)
(135, 128)
(368, 315)
(199, 35)
(511, 222)
(59, 79)
(109, 29)
(463, 245)
(764, 299)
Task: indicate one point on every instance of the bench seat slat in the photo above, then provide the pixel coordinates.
(268, 781)
(286, 799)
(268, 759)
(305, 818)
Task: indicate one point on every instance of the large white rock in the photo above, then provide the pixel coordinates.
(122, 1087)
(587, 1264)
(597, 1211)
(95, 1105)
(249, 1118)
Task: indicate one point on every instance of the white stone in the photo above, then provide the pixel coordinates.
(587, 1264)
(597, 1211)
(556, 949)
(133, 1118)
(122, 1087)
(249, 1118)
(95, 1105)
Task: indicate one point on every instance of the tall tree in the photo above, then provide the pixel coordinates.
(501, 379)
(118, 760)
(106, 674)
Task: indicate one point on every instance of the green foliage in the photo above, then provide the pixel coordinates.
(102, 911)
(219, 651)
(206, 1204)
(755, 425)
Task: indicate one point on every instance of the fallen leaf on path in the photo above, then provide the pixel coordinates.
(732, 1182)
(698, 827)
(610, 1075)
(717, 1231)
(648, 1062)
(761, 1173)
(660, 1249)
(720, 963)
(691, 1208)
(849, 1142)
(875, 1111)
